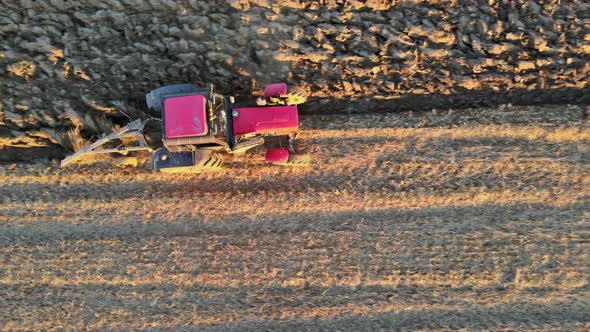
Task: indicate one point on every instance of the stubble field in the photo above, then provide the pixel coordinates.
(474, 219)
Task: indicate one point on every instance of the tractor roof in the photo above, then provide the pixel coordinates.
(185, 116)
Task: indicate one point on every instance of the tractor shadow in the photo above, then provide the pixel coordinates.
(479, 98)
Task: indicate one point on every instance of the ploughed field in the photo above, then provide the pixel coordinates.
(474, 219)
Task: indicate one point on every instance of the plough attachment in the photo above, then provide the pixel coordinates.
(133, 130)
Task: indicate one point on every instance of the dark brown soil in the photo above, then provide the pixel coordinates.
(63, 62)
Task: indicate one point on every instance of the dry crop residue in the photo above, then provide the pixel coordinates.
(473, 219)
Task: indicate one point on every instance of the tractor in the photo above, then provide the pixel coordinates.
(199, 125)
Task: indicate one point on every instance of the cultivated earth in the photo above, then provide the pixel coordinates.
(474, 219)
(71, 64)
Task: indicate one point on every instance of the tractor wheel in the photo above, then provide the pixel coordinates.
(210, 162)
(297, 160)
(294, 98)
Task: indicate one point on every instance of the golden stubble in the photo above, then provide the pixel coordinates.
(390, 222)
